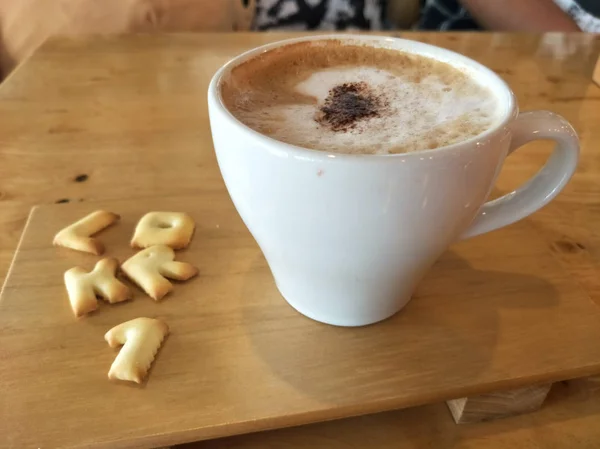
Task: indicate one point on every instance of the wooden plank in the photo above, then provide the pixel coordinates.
(569, 414)
(498, 404)
(147, 137)
(596, 75)
(496, 312)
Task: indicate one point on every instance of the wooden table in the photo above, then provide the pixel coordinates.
(109, 118)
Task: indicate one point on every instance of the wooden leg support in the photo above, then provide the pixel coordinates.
(498, 404)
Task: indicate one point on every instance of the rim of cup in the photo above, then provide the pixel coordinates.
(482, 73)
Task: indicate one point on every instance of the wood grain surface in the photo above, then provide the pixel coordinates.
(126, 117)
(495, 312)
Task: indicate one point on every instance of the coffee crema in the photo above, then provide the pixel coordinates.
(342, 97)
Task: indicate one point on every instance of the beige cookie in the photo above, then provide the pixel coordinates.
(141, 338)
(84, 287)
(151, 267)
(174, 229)
(78, 236)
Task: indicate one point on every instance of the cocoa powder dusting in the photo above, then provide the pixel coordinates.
(347, 104)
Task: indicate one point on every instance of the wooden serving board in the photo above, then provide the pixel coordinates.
(496, 312)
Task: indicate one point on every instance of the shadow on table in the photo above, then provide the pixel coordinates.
(298, 348)
(437, 344)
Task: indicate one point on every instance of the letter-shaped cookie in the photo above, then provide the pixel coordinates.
(84, 287)
(150, 267)
(172, 229)
(78, 236)
(141, 339)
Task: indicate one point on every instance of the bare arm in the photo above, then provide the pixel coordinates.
(520, 15)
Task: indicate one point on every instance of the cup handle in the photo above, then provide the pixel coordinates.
(545, 185)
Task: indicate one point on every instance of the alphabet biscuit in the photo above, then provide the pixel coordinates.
(172, 229)
(78, 236)
(151, 267)
(83, 287)
(141, 338)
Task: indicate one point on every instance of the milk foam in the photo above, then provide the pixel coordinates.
(417, 110)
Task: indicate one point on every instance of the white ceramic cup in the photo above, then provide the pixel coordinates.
(348, 237)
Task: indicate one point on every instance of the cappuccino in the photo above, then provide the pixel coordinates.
(342, 97)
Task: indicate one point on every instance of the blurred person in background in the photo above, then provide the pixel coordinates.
(335, 15)
(511, 15)
(26, 24)
(500, 15)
